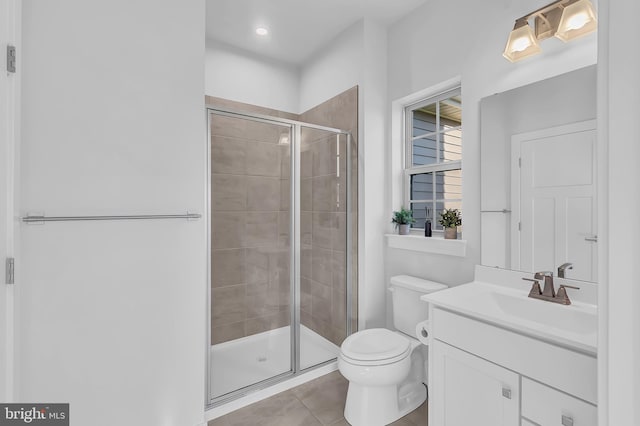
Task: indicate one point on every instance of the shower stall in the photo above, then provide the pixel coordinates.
(280, 227)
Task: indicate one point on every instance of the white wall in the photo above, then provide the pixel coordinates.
(245, 77)
(619, 248)
(474, 49)
(373, 181)
(242, 76)
(470, 39)
(112, 314)
(338, 66)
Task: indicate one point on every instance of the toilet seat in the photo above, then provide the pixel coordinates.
(375, 346)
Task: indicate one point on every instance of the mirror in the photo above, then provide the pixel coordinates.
(538, 176)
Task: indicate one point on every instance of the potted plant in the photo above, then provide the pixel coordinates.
(450, 219)
(403, 219)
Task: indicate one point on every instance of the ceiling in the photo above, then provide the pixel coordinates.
(297, 28)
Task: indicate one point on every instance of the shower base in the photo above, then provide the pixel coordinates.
(242, 362)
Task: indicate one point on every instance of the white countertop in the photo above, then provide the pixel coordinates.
(574, 326)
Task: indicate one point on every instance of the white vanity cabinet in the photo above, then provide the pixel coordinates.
(547, 406)
(486, 375)
(468, 390)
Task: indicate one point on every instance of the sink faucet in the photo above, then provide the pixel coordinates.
(548, 290)
(549, 293)
(562, 268)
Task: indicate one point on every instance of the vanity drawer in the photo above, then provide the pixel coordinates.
(546, 406)
(562, 368)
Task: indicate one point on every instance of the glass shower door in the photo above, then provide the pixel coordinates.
(250, 228)
(280, 250)
(323, 244)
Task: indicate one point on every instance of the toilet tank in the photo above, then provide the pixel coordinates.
(408, 309)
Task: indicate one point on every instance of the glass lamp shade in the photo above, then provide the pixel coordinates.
(578, 19)
(522, 43)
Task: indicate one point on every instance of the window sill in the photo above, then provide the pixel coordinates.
(437, 245)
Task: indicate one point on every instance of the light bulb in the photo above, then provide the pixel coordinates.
(520, 44)
(577, 21)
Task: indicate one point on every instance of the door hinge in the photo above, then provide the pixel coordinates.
(520, 162)
(10, 271)
(11, 58)
(519, 226)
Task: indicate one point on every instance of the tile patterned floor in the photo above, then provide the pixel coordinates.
(319, 402)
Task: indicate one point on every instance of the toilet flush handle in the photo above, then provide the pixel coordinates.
(424, 332)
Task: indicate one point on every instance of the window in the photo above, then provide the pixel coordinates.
(433, 165)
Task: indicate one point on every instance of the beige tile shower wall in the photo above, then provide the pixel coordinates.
(250, 256)
(250, 223)
(323, 292)
(323, 218)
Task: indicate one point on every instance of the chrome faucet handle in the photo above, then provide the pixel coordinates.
(562, 293)
(570, 286)
(535, 287)
(562, 268)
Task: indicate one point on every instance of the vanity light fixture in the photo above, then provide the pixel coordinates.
(564, 19)
(578, 19)
(522, 42)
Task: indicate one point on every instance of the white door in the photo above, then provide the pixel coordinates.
(554, 200)
(471, 391)
(9, 13)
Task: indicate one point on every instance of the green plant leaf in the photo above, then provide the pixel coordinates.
(450, 218)
(403, 217)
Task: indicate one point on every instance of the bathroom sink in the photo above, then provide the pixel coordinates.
(573, 326)
(551, 315)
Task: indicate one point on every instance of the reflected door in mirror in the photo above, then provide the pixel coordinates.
(554, 194)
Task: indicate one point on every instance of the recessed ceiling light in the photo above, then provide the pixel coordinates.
(262, 31)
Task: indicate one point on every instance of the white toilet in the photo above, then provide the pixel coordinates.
(386, 369)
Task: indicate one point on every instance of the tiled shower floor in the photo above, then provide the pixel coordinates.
(319, 402)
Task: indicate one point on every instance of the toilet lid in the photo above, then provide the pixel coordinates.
(375, 344)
